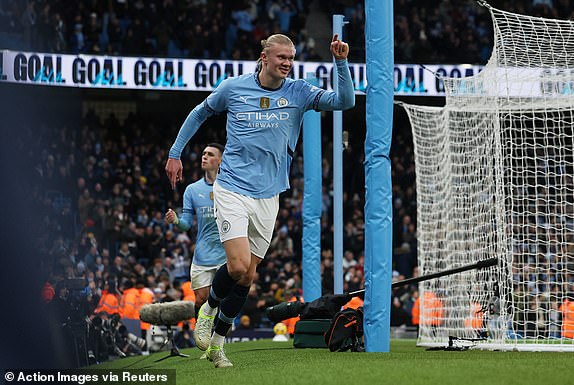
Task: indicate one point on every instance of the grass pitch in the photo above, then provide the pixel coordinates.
(266, 362)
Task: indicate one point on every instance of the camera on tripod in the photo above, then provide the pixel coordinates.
(78, 301)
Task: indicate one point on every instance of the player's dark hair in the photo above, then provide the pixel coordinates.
(218, 146)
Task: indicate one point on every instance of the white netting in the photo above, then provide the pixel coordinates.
(495, 178)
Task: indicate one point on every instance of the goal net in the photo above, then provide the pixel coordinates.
(495, 178)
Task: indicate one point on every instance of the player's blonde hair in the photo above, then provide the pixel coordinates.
(278, 38)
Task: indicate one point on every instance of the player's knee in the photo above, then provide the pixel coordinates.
(246, 280)
(238, 271)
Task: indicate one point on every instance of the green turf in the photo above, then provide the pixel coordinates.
(275, 363)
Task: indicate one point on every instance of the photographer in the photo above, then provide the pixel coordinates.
(110, 336)
(104, 322)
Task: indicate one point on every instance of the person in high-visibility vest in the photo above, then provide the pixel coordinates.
(432, 310)
(146, 296)
(474, 320)
(290, 322)
(416, 310)
(567, 310)
(129, 310)
(109, 303)
(188, 295)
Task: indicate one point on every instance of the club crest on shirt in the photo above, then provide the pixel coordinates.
(282, 102)
(264, 102)
(225, 226)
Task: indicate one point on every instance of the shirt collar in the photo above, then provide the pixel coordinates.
(256, 75)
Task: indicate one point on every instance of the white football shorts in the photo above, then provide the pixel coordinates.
(242, 216)
(202, 276)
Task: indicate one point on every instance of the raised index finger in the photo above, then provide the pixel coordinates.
(335, 37)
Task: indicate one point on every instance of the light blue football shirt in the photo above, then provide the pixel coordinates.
(263, 127)
(198, 201)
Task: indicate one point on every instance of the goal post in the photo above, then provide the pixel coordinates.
(495, 178)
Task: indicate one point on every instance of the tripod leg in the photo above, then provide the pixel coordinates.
(174, 350)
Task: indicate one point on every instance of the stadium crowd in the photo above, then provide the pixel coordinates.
(100, 189)
(450, 31)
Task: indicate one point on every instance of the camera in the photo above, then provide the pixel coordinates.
(284, 311)
(113, 338)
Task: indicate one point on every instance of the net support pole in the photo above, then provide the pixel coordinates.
(312, 201)
(378, 185)
(338, 21)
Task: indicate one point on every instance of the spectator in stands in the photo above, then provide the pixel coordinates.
(157, 28)
(254, 306)
(281, 245)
